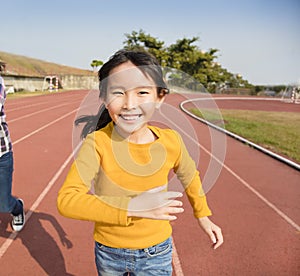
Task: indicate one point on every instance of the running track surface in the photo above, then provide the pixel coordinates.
(255, 200)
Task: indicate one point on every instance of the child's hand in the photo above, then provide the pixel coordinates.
(212, 230)
(155, 204)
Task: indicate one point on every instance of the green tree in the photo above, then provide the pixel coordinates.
(96, 63)
(145, 42)
(187, 57)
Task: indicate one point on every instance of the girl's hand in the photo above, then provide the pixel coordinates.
(155, 204)
(212, 230)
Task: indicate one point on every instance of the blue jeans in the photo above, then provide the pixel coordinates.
(7, 201)
(155, 260)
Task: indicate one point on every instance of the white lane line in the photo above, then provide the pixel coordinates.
(16, 105)
(43, 127)
(267, 202)
(12, 108)
(37, 112)
(176, 261)
(4, 247)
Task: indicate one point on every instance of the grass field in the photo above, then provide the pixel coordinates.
(276, 131)
(31, 94)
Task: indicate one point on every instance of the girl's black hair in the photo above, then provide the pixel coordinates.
(149, 66)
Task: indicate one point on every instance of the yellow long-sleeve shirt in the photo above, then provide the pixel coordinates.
(108, 172)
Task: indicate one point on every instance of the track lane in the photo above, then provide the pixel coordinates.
(251, 229)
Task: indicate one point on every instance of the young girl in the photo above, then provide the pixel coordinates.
(128, 162)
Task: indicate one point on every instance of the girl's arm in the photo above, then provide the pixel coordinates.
(75, 201)
(198, 201)
(212, 230)
(189, 177)
(74, 198)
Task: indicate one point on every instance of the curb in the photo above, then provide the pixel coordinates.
(237, 137)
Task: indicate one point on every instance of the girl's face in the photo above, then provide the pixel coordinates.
(131, 99)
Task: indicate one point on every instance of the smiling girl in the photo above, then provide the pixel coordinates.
(128, 162)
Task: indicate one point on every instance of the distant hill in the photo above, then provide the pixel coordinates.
(18, 65)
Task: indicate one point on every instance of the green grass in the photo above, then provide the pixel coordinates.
(31, 94)
(276, 131)
(25, 94)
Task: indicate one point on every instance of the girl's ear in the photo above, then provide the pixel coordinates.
(161, 96)
(159, 102)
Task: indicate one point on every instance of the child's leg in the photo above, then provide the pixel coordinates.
(7, 201)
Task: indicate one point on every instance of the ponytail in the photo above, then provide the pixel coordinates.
(93, 122)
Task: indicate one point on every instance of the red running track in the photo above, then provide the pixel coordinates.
(255, 200)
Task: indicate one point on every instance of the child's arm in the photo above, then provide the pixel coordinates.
(2, 95)
(212, 230)
(74, 201)
(189, 177)
(198, 201)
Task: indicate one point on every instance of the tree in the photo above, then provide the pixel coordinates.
(96, 63)
(145, 42)
(185, 56)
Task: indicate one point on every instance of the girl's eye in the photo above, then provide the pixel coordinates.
(143, 92)
(117, 93)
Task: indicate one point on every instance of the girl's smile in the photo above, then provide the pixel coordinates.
(130, 117)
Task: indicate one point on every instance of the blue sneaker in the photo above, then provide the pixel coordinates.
(18, 221)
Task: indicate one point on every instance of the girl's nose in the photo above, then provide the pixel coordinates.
(130, 102)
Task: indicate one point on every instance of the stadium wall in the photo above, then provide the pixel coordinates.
(25, 83)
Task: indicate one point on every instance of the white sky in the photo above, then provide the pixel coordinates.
(259, 39)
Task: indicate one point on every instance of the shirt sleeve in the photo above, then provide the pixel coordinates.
(188, 174)
(75, 199)
(2, 94)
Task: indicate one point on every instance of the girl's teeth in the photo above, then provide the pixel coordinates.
(130, 117)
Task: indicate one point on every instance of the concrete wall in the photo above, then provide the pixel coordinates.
(20, 83)
(79, 82)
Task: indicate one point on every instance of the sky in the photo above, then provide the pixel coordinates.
(259, 39)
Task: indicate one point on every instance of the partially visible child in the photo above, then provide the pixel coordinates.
(128, 162)
(8, 203)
